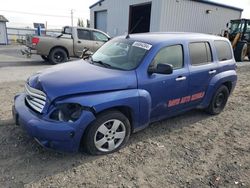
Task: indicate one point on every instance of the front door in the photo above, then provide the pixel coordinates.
(168, 91)
(99, 39)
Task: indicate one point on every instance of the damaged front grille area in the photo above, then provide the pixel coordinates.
(35, 98)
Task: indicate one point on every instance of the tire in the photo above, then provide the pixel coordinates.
(107, 134)
(58, 55)
(45, 58)
(240, 51)
(218, 101)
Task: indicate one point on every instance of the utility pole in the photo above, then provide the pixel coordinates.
(72, 17)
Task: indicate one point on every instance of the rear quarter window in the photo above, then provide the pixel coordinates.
(223, 50)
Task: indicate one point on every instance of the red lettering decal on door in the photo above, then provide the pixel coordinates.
(186, 99)
(173, 102)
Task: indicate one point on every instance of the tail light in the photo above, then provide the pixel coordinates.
(35, 41)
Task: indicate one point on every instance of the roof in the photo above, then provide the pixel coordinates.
(3, 19)
(218, 4)
(199, 1)
(100, 1)
(155, 38)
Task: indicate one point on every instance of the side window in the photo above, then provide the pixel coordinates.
(200, 53)
(83, 34)
(172, 55)
(99, 37)
(223, 50)
(248, 27)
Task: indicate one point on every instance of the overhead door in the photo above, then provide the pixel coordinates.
(3, 37)
(101, 20)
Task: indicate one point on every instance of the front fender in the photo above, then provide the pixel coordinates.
(216, 82)
(138, 101)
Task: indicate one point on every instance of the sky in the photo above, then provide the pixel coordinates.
(57, 13)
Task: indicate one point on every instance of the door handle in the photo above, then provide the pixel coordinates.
(78, 41)
(181, 78)
(212, 72)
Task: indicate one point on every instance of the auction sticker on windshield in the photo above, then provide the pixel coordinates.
(142, 45)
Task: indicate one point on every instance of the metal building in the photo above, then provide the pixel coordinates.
(3, 30)
(117, 17)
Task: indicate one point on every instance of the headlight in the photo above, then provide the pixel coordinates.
(67, 112)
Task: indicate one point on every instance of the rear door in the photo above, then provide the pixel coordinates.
(202, 69)
(84, 40)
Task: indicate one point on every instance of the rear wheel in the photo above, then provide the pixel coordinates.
(240, 51)
(58, 55)
(107, 134)
(218, 101)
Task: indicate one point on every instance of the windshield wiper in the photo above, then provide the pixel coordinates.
(101, 63)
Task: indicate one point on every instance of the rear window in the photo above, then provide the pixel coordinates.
(223, 50)
(200, 53)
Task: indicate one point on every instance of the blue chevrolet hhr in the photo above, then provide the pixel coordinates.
(130, 82)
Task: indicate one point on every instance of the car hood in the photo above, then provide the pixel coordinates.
(81, 77)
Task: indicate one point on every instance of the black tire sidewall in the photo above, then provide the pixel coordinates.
(52, 53)
(45, 58)
(238, 51)
(88, 139)
(211, 109)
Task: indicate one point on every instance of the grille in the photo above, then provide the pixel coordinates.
(35, 98)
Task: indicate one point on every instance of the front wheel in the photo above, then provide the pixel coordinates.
(107, 134)
(218, 101)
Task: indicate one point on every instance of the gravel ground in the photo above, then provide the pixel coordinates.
(191, 150)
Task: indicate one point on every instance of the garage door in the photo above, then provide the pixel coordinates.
(101, 20)
(3, 37)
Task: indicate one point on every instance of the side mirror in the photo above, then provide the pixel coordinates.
(161, 69)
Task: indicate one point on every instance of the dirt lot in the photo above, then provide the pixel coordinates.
(191, 150)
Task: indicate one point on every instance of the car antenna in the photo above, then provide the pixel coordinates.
(137, 23)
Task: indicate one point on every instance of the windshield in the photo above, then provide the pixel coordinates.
(236, 26)
(121, 54)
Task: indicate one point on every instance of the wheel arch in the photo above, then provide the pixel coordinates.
(62, 47)
(229, 86)
(227, 78)
(125, 110)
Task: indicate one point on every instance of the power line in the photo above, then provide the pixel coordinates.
(38, 14)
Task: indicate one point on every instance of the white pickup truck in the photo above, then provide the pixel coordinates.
(70, 43)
